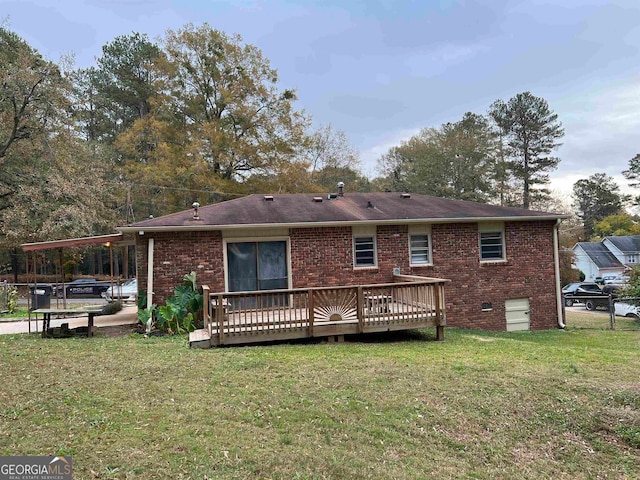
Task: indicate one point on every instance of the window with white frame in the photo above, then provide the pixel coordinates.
(364, 250)
(419, 245)
(492, 246)
(633, 259)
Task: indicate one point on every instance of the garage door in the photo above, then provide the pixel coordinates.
(517, 312)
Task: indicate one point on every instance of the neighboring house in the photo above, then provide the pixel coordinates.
(498, 259)
(594, 259)
(625, 248)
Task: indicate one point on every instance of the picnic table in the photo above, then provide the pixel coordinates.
(47, 312)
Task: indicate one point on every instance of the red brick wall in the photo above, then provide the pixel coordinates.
(324, 257)
(528, 272)
(176, 254)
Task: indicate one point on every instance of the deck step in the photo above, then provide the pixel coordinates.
(200, 338)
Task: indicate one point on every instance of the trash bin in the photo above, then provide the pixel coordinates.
(40, 296)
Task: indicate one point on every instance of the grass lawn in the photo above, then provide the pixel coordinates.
(19, 312)
(553, 404)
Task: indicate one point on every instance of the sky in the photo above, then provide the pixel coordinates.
(381, 70)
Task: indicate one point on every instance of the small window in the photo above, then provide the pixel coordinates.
(419, 249)
(632, 259)
(364, 248)
(491, 246)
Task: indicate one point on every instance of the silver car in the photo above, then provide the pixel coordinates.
(127, 292)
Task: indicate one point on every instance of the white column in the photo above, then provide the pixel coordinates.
(150, 273)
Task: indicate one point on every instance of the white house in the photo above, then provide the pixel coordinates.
(594, 259)
(625, 248)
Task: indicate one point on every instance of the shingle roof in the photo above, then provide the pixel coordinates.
(287, 209)
(600, 255)
(627, 243)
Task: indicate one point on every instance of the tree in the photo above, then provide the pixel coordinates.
(224, 95)
(69, 198)
(632, 290)
(633, 174)
(31, 98)
(329, 148)
(49, 187)
(455, 161)
(111, 97)
(530, 130)
(595, 198)
(332, 159)
(219, 122)
(617, 225)
(568, 274)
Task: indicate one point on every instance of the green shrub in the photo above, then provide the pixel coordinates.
(8, 297)
(111, 308)
(180, 311)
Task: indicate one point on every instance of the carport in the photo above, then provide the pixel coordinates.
(111, 241)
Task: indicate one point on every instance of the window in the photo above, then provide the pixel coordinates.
(257, 266)
(419, 249)
(364, 251)
(491, 246)
(632, 259)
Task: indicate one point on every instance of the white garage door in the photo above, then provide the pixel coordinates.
(517, 312)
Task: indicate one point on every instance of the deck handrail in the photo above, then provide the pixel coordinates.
(422, 281)
(419, 278)
(410, 299)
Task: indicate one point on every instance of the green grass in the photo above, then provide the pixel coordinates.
(19, 312)
(599, 320)
(552, 404)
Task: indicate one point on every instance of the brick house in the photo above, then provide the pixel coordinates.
(500, 261)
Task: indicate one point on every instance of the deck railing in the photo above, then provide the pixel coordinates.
(409, 302)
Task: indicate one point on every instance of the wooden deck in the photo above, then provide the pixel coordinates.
(265, 316)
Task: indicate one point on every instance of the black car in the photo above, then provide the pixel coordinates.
(83, 287)
(576, 292)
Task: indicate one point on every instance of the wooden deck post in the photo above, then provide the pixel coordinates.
(360, 307)
(206, 304)
(220, 318)
(439, 327)
(310, 306)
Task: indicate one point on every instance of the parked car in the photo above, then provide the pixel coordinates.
(127, 292)
(617, 280)
(624, 309)
(90, 287)
(573, 292)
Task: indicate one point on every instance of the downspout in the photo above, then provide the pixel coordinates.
(556, 265)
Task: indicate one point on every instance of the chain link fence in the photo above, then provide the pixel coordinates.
(603, 312)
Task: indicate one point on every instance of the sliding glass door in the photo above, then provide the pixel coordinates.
(257, 266)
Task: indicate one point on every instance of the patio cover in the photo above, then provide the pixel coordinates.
(74, 242)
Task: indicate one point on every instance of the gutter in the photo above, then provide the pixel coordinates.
(556, 265)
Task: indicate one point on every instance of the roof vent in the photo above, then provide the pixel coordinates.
(369, 205)
(405, 195)
(331, 196)
(195, 206)
(341, 189)
(268, 198)
(317, 199)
